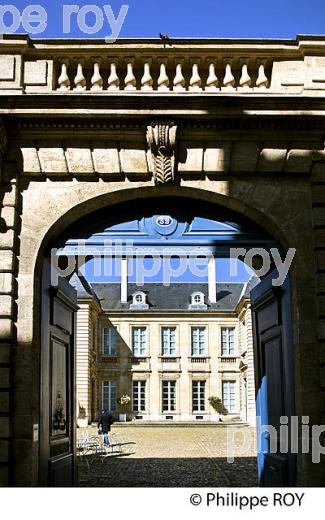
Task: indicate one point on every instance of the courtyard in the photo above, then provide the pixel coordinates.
(171, 456)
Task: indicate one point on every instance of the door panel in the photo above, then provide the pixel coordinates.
(273, 357)
(57, 407)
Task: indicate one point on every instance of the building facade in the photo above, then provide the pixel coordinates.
(245, 136)
(168, 349)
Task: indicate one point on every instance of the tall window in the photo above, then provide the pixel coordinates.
(198, 335)
(109, 395)
(229, 395)
(109, 341)
(168, 341)
(139, 396)
(228, 341)
(169, 396)
(139, 341)
(198, 396)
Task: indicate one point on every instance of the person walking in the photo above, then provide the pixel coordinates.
(104, 422)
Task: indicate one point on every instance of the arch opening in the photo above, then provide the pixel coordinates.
(166, 222)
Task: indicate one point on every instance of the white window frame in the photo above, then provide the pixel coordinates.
(195, 295)
(171, 399)
(227, 352)
(229, 395)
(139, 398)
(197, 396)
(111, 404)
(143, 351)
(199, 353)
(137, 295)
(170, 352)
(112, 331)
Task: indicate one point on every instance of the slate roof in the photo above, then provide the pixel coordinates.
(175, 297)
(81, 285)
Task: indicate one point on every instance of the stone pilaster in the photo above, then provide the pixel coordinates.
(8, 261)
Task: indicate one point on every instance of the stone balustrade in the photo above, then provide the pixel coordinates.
(162, 74)
(148, 66)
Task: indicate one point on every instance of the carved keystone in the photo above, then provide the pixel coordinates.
(161, 139)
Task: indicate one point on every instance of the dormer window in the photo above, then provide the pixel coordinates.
(197, 301)
(139, 298)
(198, 298)
(139, 301)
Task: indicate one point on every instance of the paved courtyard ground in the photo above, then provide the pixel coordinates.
(175, 456)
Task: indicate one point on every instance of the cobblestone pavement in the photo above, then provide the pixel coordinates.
(171, 457)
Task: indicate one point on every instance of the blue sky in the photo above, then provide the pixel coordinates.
(112, 274)
(188, 18)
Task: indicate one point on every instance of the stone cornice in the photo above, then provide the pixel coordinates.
(93, 125)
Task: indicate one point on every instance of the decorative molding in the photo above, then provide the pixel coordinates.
(93, 125)
(161, 139)
(3, 145)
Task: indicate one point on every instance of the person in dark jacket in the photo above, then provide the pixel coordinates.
(104, 422)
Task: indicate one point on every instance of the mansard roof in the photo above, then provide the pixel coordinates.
(175, 297)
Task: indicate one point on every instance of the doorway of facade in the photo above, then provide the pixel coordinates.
(169, 348)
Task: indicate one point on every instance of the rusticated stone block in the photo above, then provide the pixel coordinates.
(36, 72)
(6, 305)
(191, 160)
(300, 159)
(6, 283)
(7, 261)
(7, 68)
(217, 158)
(272, 158)
(6, 329)
(11, 196)
(5, 352)
(318, 194)
(4, 449)
(321, 305)
(9, 215)
(4, 427)
(318, 172)
(4, 377)
(106, 161)
(133, 161)
(79, 161)
(7, 239)
(245, 156)
(319, 216)
(53, 161)
(30, 163)
(4, 476)
(4, 402)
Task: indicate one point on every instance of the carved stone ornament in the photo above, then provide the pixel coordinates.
(3, 145)
(162, 140)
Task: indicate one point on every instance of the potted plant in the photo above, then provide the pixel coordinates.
(218, 406)
(123, 401)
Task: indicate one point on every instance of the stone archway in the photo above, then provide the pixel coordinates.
(51, 233)
(260, 154)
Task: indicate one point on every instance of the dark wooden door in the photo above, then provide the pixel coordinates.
(274, 381)
(57, 383)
